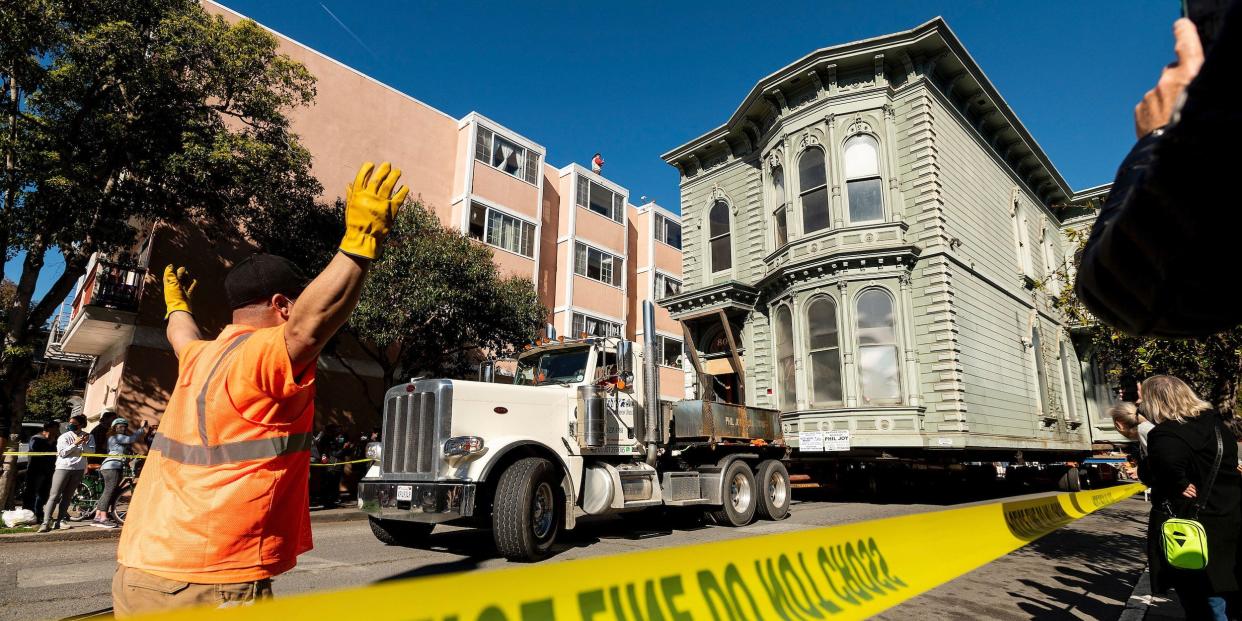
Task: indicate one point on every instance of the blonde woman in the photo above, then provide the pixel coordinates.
(1182, 455)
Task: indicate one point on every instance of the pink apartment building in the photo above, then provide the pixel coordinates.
(592, 256)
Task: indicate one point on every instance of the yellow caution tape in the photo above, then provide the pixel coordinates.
(28, 454)
(850, 571)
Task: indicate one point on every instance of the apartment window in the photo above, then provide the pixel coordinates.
(787, 390)
(719, 237)
(599, 199)
(825, 350)
(863, 188)
(813, 190)
(668, 231)
(591, 326)
(506, 155)
(670, 351)
(666, 286)
(597, 265)
(502, 230)
(879, 374)
(779, 217)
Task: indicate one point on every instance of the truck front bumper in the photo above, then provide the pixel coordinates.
(428, 501)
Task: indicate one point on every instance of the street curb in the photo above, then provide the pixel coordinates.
(1140, 599)
(83, 531)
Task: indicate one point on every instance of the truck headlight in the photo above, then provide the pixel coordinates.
(463, 445)
(374, 450)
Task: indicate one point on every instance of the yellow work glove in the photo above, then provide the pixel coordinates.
(178, 287)
(370, 208)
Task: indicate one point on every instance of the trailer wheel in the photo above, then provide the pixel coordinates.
(773, 483)
(740, 496)
(526, 514)
(1071, 481)
(400, 532)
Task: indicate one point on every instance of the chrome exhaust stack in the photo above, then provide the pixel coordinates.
(653, 427)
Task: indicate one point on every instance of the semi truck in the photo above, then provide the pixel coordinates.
(581, 432)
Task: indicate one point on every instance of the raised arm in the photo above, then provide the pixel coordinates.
(325, 305)
(182, 329)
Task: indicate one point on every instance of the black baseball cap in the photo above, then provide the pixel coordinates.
(259, 277)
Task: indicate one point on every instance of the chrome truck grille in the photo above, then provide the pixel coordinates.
(416, 423)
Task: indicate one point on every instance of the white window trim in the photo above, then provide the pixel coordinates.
(898, 337)
(655, 282)
(478, 120)
(656, 232)
(792, 307)
(661, 338)
(508, 212)
(880, 168)
(625, 196)
(615, 256)
(596, 316)
(801, 193)
(708, 229)
(805, 309)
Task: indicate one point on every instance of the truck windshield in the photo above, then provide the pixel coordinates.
(559, 366)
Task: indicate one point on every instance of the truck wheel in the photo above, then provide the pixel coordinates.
(400, 532)
(526, 514)
(740, 496)
(773, 483)
(1071, 481)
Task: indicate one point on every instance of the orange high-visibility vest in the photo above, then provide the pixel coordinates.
(223, 496)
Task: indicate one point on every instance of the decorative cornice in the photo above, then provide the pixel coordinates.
(902, 256)
(731, 294)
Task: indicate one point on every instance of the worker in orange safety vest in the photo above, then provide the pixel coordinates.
(222, 506)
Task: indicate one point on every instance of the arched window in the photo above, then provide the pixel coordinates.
(879, 373)
(862, 179)
(825, 341)
(718, 237)
(778, 199)
(1067, 367)
(813, 190)
(788, 392)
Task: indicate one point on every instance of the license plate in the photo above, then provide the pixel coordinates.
(405, 492)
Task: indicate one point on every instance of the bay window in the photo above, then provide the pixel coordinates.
(879, 373)
(863, 188)
(718, 231)
(825, 352)
(813, 190)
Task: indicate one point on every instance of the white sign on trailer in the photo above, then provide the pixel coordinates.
(811, 441)
(837, 440)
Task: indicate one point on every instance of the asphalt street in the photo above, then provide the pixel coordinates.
(1085, 570)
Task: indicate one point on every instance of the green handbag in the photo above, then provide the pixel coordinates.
(1185, 540)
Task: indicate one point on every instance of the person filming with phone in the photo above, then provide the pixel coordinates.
(1165, 238)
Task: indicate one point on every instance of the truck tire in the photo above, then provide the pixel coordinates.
(740, 496)
(772, 480)
(1071, 481)
(526, 514)
(400, 532)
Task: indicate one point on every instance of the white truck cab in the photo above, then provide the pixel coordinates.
(577, 433)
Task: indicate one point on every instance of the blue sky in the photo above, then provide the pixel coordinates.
(633, 80)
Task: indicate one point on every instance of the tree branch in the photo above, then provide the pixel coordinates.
(39, 315)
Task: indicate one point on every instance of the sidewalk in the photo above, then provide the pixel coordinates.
(1144, 606)
(83, 531)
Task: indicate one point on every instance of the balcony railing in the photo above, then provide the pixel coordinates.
(109, 285)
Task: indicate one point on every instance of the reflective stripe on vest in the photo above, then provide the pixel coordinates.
(228, 452)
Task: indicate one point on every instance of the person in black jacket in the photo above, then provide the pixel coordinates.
(1165, 239)
(1182, 450)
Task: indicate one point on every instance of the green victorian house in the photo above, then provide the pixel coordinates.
(866, 241)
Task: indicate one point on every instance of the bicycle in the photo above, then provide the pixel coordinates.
(89, 491)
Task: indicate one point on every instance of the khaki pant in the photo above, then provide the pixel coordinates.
(137, 592)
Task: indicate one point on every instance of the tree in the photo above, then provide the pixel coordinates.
(1211, 365)
(7, 291)
(47, 396)
(119, 113)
